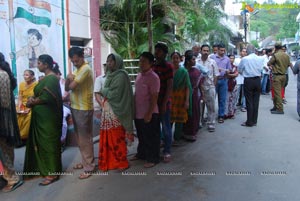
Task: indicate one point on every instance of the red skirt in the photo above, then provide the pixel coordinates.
(112, 144)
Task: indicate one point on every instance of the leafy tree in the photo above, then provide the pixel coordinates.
(280, 23)
(178, 23)
(124, 25)
(289, 27)
(254, 43)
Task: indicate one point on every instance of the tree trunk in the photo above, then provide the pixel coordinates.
(149, 25)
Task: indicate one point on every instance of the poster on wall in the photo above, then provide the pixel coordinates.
(29, 29)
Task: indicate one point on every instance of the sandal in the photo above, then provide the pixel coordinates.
(9, 188)
(135, 158)
(49, 180)
(167, 158)
(78, 166)
(221, 120)
(149, 165)
(85, 175)
(123, 169)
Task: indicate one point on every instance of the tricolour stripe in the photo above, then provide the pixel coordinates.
(39, 4)
(37, 17)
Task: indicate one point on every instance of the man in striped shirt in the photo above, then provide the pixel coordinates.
(164, 70)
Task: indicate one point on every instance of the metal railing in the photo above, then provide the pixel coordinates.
(132, 67)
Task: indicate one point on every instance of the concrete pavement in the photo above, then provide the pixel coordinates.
(234, 163)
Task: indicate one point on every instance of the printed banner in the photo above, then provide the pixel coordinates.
(36, 28)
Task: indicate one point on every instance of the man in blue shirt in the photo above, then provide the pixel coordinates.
(296, 71)
(224, 65)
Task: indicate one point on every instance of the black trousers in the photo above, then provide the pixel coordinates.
(268, 87)
(149, 139)
(252, 89)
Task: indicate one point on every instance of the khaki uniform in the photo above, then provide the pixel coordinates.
(280, 62)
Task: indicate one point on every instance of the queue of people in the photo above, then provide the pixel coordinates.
(166, 94)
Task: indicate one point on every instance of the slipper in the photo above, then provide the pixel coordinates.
(85, 175)
(78, 166)
(135, 158)
(221, 120)
(167, 158)
(49, 180)
(123, 169)
(178, 143)
(229, 117)
(246, 124)
(9, 188)
(149, 165)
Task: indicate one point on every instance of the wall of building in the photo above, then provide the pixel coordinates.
(95, 34)
(84, 30)
(79, 13)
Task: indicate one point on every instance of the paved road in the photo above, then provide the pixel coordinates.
(232, 164)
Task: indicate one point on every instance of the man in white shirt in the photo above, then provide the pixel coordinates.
(240, 82)
(265, 72)
(98, 85)
(208, 88)
(250, 67)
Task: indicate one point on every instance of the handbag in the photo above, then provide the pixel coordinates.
(1, 168)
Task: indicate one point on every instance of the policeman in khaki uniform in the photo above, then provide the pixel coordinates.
(279, 63)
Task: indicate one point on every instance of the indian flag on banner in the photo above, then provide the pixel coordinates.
(37, 12)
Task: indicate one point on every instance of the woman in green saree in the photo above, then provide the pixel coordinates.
(181, 98)
(43, 153)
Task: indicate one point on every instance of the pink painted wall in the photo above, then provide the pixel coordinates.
(95, 34)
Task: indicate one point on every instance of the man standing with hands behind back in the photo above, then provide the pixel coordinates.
(81, 85)
(279, 63)
(250, 67)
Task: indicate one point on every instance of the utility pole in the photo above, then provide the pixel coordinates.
(256, 31)
(245, 23)
(298, 32)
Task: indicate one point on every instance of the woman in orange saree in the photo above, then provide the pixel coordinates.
(117, 116)
(24, 113)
